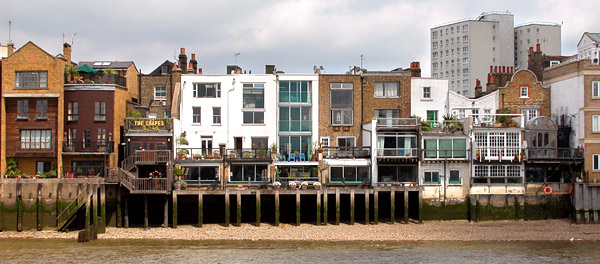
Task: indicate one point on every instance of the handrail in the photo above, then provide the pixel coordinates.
(146, 156)
(431, 154)
(397, 152)
(261, 153)
(199, 153)
(72, 208)
(397, 122)
(143, 185)
(554, 153)
(103, 146)
(498, 153)
(347, 152)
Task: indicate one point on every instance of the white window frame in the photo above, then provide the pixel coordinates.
(157, 97)
(596, 89)
(530, 113)
(596, 123)
(346, 137)
(426, 92)
(198, 115)
(596, 162)
(524, 92)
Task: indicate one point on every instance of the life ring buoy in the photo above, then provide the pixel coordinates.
(548, 190)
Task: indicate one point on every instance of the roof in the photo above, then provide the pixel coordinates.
(107, 64)
(593, 36)
(158, 70)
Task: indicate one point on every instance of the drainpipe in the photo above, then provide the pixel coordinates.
(228, 108)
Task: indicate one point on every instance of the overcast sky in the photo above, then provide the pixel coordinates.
(293, 35)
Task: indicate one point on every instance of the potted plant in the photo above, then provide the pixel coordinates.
(261, 153)
(246, 155)
(232, 154)
(304, 185)
(182, 154)
(177, 172)
(72, 72)
(276, 185)
(273, 149)
(197, 156)
(317, 185)
(314, 156)
(292, 185)
(297, 155)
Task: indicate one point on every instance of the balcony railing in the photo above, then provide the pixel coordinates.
(499, 154)
(148, 125)
(102, 146)
(84, 171)
(198, 153)
(295, 126)
(346, 152)
(146, 157)
(248, 154)
(444, 154)
(294, 97)
(397, 122)
(397, 152)
(498, 120)
(555, 153)
(99, 79)
(35, 147)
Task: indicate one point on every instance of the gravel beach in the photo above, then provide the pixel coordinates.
(547, 230)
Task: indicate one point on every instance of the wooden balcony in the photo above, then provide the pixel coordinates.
(35, 148)
(146, 157)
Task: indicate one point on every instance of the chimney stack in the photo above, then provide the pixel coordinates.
(415, 69)
(194, 63)
(11, 48)
(478, 88)
(269, 69)
(67, 53)
(183, 60)
(190, 69)
(537, 47)
(530, 50)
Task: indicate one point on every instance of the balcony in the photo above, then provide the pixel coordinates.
(444, 154)
(87, 146)
(83, 171)
(93, 79)
(35, 148)
(499, 154)
(555, 153)
(295, 126)
(346, 152)
(149, 125)
(146, 157)
(498, 120)
(406, 123)
(199, 154)
(248, 154)
(396, 152)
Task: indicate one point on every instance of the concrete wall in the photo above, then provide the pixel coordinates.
(526, 36)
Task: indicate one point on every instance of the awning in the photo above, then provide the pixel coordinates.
(87, 69)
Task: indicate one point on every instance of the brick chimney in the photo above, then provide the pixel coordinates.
(67, 52)
(190, 69)
(183, 60)
(478, 88)
(415, 69)
(11, 48)
(535, 62)
(194, 63)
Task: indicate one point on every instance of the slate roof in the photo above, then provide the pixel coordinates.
(107, 64)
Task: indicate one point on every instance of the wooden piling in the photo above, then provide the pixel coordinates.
(351, 206)
(145, 211)
(119, 209)
(88, 212)
(200, 209)
(238, 213)
(405, 204)
(392, 205)
(40, 207)
(325, 206)
(2, 207)
(420, 205)
(174, 213)
(596, 217)
(126, 211)
(19, 207)
(95, 211)
(297, 207)
(102, 220)
(318, 207)
(376, 206)
(227, 207)
(367, 205)
(337, 206)
(166, 212)
(59, 202)
(276, 207)
(257, 208)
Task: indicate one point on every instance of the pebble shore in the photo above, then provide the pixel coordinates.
(545, 230)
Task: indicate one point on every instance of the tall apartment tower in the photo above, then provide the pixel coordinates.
(463, 51)
(530, 34)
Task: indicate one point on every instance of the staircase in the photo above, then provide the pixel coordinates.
(127, 173)
(66, 217)
(137, 185)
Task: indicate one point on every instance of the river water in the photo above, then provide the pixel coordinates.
(171, 251)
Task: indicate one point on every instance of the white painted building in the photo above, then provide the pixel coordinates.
(461, 106)
(429, 99)
(589, 47)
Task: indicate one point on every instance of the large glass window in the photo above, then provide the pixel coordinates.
(202, 174)
(445, 148)
(498, 174)
(207, 90)
(254, 95)
(101, 137)
(341, 95)
(397, 146)
(349, 174)
(293, 144)
(249, 172)
(254, 117)
(36, 139)
(397, 173)
(295, 119)
(431, 177)
(387, 89)
(31, 80)
(294, 92)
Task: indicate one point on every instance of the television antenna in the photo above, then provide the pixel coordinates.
(9, 31)
(362, 58)
(236, 58)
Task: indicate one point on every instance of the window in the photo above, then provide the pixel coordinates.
(216, 115)
(294, 92)
(427, 92)
(465, 28)
(72, 111)
(31, 80)
(445, 148)
(260, 142)
(86, 139)
(435, 65)
(465, 61)
(254, 98)
(249, 172)
(524, 92)
(295, 119)
(435, 75)
(346, 141)
(446, 31)
(160, 93)
(431, 177)
(254, 117)
(396, 145)
(101, 137)
(207, 148)
(36, 139)
(596, 123)
(434, 44)
(167, 113)
(41, 109)
(434, 34)
(291, 144)
(387, 117)
(387, 89)
(72, 138)
(596, 161)
(465, 50)
(196, 115)
(206, 90)
(100, 111)
(465, 39)
(349, 174)
(530, 114)
(435, 55)
(466, 72)
(452, 30)
(397, 173)
(22, 109)
(164, 69)
(454, 177)
(596, 89)
(342, 104)
(465, 82)
(494, 174)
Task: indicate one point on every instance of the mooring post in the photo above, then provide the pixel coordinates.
(318, 207)
(325, 206)
(392, 205)
(19, 207)
(337, 206)
(586, 203)
(126, 211)
(119, 210)
(367, 205)
(88, 212)
(174, 213)
(297, 207)
(166, 212)
(200, 209)
(257, 208)
(95, 211)
(145, 211)
(58, 202)
(406, 204)
(420, 205)
(351, 206)
(276, 207)
(226, 207)
(40, 207)
(376, 206)
(2, 207)
(102, 220)
(238, 196)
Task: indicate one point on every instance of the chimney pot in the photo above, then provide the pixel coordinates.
(182, 51)
(193, 56)
(199, 70)
(477, 82)
(491, 68)
(538, 47)
(530, 50)
(495, 69)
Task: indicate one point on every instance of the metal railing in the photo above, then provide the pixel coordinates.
(444, 154)
(346, 152)
(71, 208)
(102, 146)
(397, 122)
(84, 171)
(100, 79)
(499, 154)
(248, 154)
(555, 153)
(397, 152)
(35, 147)
(198, 153)
(498, 120)
(148, 125)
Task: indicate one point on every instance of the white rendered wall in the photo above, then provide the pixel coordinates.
(567, 97)
(457, 102)
(438, 100)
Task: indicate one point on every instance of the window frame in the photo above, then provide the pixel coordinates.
(430, 181)
(596, 89)
(524, 91)
(200, 90)
(23, 109)
(596, 162)
(346, 138)
(450, 182)
(21, 80)
(349, 108)
(216, 117)
(426, 92)
(33, 142)
(596, 123)
(384, 89)
(196, 117)
(41, 109)
(73, 111)
(156, 92)
(99, 111)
